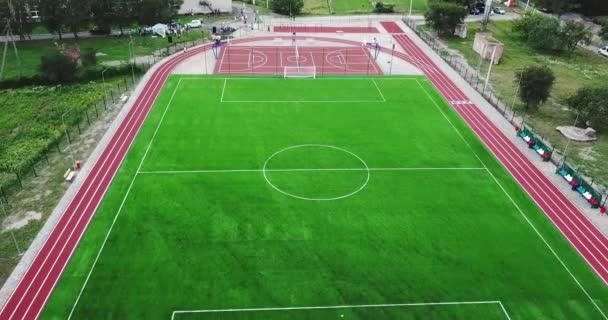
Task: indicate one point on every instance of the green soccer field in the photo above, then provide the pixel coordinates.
(328, 198)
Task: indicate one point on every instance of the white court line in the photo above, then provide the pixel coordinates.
(356, 306)
(305, 170)
(223, 90)
(379, 91)
(271, 77)
(249, 59)
(516, 205)
(124, 199)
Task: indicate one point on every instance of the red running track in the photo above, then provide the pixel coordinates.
(313, 29)
(591, 244)
(34, 289)
(32, 292)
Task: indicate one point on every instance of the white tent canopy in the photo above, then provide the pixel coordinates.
(160, 29)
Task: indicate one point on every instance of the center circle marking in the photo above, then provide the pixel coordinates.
(365, 168)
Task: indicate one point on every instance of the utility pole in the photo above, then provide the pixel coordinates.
(486, 16)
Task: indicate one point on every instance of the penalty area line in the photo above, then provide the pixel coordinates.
(359, 306)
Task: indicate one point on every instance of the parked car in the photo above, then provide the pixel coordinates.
(99, 31)
(603, 51)
(474, 11)
(195, 24)
(498, 10)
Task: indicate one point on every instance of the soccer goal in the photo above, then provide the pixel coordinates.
(300, 72)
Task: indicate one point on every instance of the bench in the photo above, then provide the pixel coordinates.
(69, 175)
(580, 185)
(534, 143)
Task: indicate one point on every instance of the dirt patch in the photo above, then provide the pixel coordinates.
(587, 153)
(19, 220)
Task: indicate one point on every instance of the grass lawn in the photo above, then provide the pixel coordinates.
(418, 6)
(351, 6)
(315, 7)
(571, 73)
(114, 48)
(273, 193)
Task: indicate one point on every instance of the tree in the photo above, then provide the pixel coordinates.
(545, 35)
(78, 15)
(574, 33)
(555, 6)
(57, 68)
(443, 17)
(154, 11)
(604, 32)
(53, 13)
(17, 13)
(287, 7)
(535, 84)
(590, 102)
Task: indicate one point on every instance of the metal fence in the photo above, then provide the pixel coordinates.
(515, 117)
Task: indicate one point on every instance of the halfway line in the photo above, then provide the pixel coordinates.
(301, 170)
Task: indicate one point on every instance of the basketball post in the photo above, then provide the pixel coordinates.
(390, 70)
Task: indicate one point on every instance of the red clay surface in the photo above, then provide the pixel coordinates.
(391, 27)
(32, 292)
(272, 60)
(314, 29)
(591, 244)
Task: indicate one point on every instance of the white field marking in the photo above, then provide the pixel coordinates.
(270, 77)
(223, 90)
(124, 199)
(518, 208)
(301, 101)
(356, 306)
(305, 170)
(312, 58)
(379, 91)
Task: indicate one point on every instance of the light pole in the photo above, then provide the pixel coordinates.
(19, 252)
(132, 58)
(410, 14)
(390, 71)
(103, 78)
(490, 68)
(65, 130)
(568, 143)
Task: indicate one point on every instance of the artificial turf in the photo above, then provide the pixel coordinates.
(409, 210)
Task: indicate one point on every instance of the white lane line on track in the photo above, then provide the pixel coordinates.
(66, 225)
(133, 115)
(519, 209)
(122, 204)
(143, 111)
(496, 144)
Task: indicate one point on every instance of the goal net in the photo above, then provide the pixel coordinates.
(300, 72)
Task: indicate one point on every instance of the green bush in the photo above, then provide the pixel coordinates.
(535, 83)
(443, 17)
(384, 8)
(590, 102)
(287, 7)
(89, 57)
(57, 68)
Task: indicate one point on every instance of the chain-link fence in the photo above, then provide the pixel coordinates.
(515, 117)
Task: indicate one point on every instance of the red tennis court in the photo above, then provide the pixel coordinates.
(318, 29)
(273, 60)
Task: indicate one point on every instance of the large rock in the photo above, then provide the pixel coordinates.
(578, 134)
